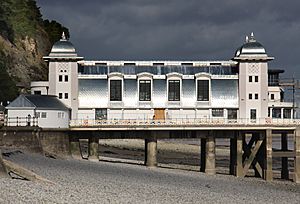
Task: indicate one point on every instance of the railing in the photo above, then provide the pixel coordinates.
(21, 121)
(184, 122)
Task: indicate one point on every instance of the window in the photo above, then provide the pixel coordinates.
(66, 95)
(66, 78)
(250, 78)
(256, 78)
(174, 90)
(287, 113)
(61, 114)
(37, 92)
(38, 114)
(276, 113)
(232, 113)
(100, 114)
(252, 114)
(203, 90)
(44, 115)
(60, 78)
(217, 112)
(60, 95)
(272, 97)
(115, 90)
(250, 96)
(145, 90)
(256, 96)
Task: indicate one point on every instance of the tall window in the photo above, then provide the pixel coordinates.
(115, 90)
(145, 90)
(174, 90)
(252, 114)
(203, 90)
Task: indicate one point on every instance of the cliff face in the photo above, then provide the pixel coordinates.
(24, 39)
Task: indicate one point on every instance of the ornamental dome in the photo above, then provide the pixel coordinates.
(250, 47)
(63, 46)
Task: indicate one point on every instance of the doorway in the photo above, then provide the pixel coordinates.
(159, 114)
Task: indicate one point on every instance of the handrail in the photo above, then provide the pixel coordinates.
(183, 122)
(21, 121)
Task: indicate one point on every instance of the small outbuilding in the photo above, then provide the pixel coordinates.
(38, 110)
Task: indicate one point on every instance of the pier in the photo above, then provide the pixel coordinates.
(250, 141)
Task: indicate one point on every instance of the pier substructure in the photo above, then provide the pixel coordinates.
(284, 160)
(210, 161)
(75, 148)
(297, 155)
(257, 153)
(151, 152)
(203, 154)
(93, 148)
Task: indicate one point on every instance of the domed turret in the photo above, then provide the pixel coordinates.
(250, 47)
(63, 48)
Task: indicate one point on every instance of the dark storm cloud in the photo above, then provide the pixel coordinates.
(177, 29)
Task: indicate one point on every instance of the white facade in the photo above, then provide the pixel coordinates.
(147, 90)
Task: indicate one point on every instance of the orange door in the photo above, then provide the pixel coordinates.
(159, 114)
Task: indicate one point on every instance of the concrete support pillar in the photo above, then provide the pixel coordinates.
(210, 163)
(75, 148)
(268, 173)
(151, 152)
(297, 156)
(203, 154)
(233, 155)
(284, 160)
(239, 154)
(93, 149)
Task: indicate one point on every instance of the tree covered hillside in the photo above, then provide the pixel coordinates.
(25, 37)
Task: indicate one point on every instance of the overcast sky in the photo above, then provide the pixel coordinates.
(179, 29)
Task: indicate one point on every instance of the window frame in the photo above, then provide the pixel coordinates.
(208, 90)
(120, 95)
(177, 89)
(149, 82)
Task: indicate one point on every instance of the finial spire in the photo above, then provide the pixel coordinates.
(252, 38)
(247, 39)
(63, 36)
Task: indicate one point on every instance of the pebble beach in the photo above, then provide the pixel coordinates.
(83, 181)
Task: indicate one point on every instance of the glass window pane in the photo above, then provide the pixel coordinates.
(203, 90)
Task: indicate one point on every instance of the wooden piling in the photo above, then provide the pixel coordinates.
(297, 155)
(203, 154)
(239, 154)
(268, 173)
(151, 152)
(284, 160)
(93, 148)
(210, 163)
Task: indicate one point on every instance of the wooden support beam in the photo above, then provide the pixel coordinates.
(249, 160)
(268, 172)
(233, 155)
(284, 160)
(203, 154)
(297, 155)
(239, 154)
(210, 163)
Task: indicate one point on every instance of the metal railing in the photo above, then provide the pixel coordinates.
(21, 121)
(185, 122)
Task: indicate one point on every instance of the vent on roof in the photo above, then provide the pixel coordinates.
(100, 63)
(129, 63)
(158, 64)
(187, 64)
(215, 63)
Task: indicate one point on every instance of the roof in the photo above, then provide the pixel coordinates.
(41, 102)
(63, 47)
(250, 47)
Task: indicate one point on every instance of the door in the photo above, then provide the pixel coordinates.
(159, 114)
